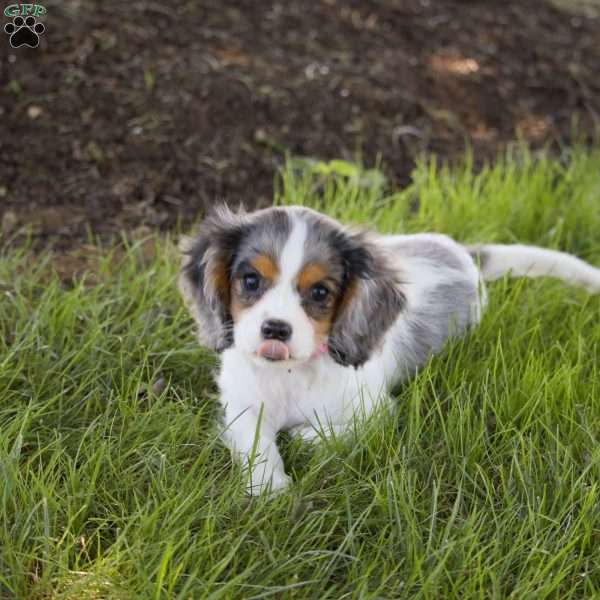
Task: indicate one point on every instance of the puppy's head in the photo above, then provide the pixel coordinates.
(287, 283)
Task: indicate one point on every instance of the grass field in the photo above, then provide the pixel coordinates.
(480, 481)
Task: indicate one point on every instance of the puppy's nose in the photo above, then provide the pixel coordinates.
(274, 329)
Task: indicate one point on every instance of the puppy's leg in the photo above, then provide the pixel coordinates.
(252, 443)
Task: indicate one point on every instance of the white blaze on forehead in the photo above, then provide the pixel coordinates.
(292, 256)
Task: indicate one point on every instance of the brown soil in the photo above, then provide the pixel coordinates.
(137, 114)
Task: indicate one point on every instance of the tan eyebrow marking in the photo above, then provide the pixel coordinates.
(312, 273)
(265, 266)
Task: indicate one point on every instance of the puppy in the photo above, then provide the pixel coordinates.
(314, 320)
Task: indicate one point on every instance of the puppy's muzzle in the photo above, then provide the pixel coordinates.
(275, 333)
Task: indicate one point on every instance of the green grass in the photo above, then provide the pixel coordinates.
(480, 481)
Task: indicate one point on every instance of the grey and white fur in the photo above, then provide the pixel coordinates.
(314, 320)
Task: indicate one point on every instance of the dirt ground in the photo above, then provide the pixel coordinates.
(134, 115)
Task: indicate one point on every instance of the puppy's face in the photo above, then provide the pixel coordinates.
(284, 295)
(287, 284)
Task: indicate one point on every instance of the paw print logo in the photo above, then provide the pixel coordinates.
(24, 32)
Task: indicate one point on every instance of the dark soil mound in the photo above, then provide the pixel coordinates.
(134, 114)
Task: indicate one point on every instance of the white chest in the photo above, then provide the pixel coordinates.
(315, 392)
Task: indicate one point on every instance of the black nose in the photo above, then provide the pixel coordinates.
(273, 329)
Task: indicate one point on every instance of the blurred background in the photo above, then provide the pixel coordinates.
(137, 115)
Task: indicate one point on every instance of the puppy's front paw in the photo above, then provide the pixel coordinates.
(273, 485)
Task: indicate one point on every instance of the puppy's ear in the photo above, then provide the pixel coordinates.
(370, 304)
(204, 280)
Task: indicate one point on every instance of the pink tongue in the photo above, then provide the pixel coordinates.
(273, 350)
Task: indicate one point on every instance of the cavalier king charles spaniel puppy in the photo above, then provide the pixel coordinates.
(315, 321)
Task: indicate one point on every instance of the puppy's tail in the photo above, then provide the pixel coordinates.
(495, 260)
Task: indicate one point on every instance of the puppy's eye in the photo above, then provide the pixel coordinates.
(251, 282)
(319, 292)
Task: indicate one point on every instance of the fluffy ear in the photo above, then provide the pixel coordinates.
(370, 304)
(204, 280)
